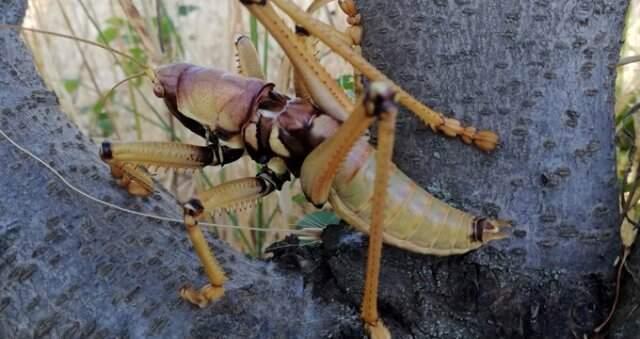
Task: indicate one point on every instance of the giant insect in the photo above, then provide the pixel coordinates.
(319, 136)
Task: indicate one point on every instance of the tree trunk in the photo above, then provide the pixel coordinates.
(539, 73)
(72, 268)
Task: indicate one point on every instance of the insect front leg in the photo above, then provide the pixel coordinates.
(228, 196)
(129, 160)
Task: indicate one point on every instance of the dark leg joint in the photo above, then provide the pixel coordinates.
(106, 153)
(193, 208)
(271, 180)
(253, 2)
(380, 99)
(301, 31)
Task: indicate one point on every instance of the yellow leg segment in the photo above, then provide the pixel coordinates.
(230, 195)
(214, 290)
(484, 140)
(322, 87)
(128, 161)
(386, 130)
(321, 166)
(134, 178)
(248, 64)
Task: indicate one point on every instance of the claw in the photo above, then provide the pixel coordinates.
(134, 178)
(348, 7)
(204, 296)
(377, 330)
(486, 140)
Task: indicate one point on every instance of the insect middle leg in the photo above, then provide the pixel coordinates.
(228, 196)
(123, 158)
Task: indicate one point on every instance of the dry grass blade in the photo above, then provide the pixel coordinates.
(629, 60)
(138, 24)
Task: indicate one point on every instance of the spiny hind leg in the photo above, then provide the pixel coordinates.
(484, 140)
(321, 167)
(354, 32)
(352, 37)
(228, 196)
(385, 110)
(321, 86)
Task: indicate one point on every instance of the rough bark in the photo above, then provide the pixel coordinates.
(72, 268)
(538, 72)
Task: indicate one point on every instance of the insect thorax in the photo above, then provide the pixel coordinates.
(285, 127)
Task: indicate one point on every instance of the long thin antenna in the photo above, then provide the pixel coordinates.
(113, 88)
(305, 232)
(71, 37)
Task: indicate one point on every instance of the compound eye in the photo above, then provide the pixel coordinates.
(158, 89)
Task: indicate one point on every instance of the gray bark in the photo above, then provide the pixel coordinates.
(540, 73)
(72, 268)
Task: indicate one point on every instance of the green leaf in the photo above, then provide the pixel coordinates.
(71, 85)
(130, 67)
(116, 21)
(167, 27)
(108, 35)
(98, 107)
(105, 124)
(299, 199)
(318, 219)
(138, 54)
(346, 82)
(184, 10)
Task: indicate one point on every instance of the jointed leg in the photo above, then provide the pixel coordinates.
(135, 179)
(248, 63)
(227, 196)
(192, 212)
(322, 165)
(354, 32)
(386, 129)
(127, 160)
(352, 37)
(322, 87)
(485, 140)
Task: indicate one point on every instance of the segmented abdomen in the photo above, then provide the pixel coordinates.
(413, 219)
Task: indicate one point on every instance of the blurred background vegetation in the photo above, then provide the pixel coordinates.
(202, 32)
(195, 31)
